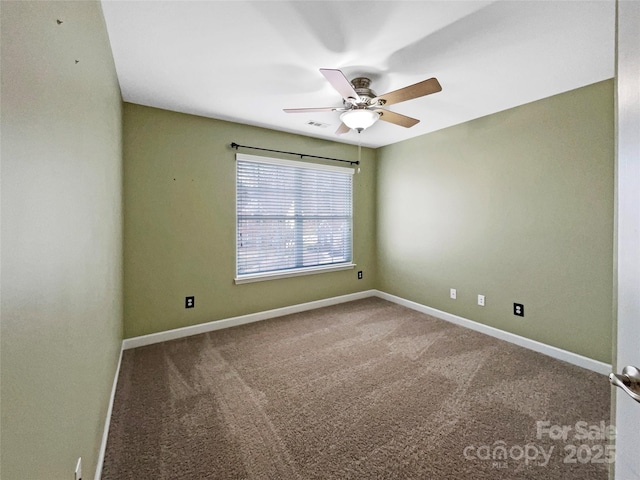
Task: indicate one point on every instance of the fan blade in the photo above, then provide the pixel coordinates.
(397, 118)
(420, 89)
(342, 129)
(340, 83)
(305, 110)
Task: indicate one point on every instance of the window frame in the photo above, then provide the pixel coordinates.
(294, 272)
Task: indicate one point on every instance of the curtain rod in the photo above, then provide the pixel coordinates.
(301, 155)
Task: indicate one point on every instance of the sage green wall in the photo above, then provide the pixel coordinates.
(517, 206)
(61, 249)
(179, 234)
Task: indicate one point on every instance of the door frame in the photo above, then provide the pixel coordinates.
(625, 411)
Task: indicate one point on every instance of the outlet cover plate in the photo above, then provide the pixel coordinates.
(453, 293)
(518, 309)
(481, 300)
(189, 302)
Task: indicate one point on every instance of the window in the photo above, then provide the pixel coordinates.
(293, 218)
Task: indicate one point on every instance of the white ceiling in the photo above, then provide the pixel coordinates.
(245, 61)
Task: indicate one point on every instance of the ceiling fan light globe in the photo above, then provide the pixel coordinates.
(359, 119)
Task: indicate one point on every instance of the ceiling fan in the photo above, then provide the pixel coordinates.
(362, 107)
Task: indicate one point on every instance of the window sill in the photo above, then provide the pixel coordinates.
(261, 277)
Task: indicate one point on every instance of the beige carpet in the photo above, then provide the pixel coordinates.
(363, 390)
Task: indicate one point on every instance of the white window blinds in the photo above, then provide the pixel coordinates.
(291, 215)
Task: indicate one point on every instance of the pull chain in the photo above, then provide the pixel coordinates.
(359, 151)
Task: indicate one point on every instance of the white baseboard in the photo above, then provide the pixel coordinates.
(241, 320)
(558, 353)
(107, 422)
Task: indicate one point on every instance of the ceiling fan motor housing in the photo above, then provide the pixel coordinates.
(361, 86)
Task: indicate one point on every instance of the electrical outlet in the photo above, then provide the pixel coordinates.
(481, 300)
(78, 471)
(360, 275)
(453, 294)
(518, 309)
(189, 302)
